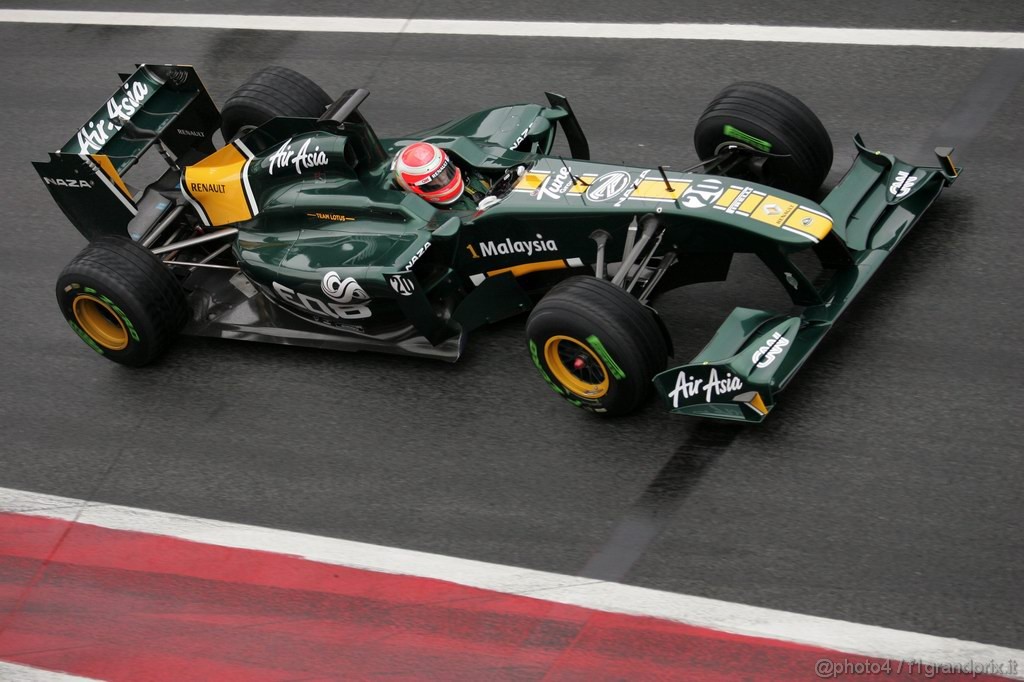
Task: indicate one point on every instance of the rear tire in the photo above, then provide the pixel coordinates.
(764, 117)
(596, 345)
(122, 301)
(271, 92)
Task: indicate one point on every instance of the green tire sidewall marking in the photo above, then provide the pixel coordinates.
(85, 337)
(128, 323)
(540, 368)
(599, 348)
(536, 358)
(754, 142)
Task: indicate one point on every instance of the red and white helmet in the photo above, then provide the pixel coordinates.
(426, 169)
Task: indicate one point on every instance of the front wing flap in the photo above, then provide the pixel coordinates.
(736, 376)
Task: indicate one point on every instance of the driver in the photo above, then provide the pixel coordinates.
(429, 172)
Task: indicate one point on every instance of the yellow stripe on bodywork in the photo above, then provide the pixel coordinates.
(531, 181)
(581, 187)
(103, 161)
(728, 196)
(750, 203)
(773, 211)
(808, 222)
(527, 268)
(652, 188)
(216, 183)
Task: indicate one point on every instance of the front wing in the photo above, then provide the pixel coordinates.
(755, 353)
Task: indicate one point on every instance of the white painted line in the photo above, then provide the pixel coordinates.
(854, 638)
(200, 209)
(802, 234)
(250, 197)
(816, 212)
(12, 672)
(532, 29)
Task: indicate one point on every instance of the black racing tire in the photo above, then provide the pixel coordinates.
(122, 301)
(596, 345)
(271, 92)
(770, 119)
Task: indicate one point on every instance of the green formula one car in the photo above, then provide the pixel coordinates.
(295, 232)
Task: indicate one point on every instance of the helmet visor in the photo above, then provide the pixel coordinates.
(439, 179)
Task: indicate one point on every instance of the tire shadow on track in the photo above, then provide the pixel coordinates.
(661, 499)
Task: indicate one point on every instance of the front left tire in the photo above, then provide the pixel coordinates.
(596, 345)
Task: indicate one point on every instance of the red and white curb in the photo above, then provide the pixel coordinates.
(112, 592)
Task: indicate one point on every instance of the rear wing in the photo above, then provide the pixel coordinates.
(161, 105)
(755, 353)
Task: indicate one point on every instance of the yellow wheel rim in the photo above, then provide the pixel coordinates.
(100, 322)
(575, 366)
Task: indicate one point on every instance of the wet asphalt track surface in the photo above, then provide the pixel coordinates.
(885, 488)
